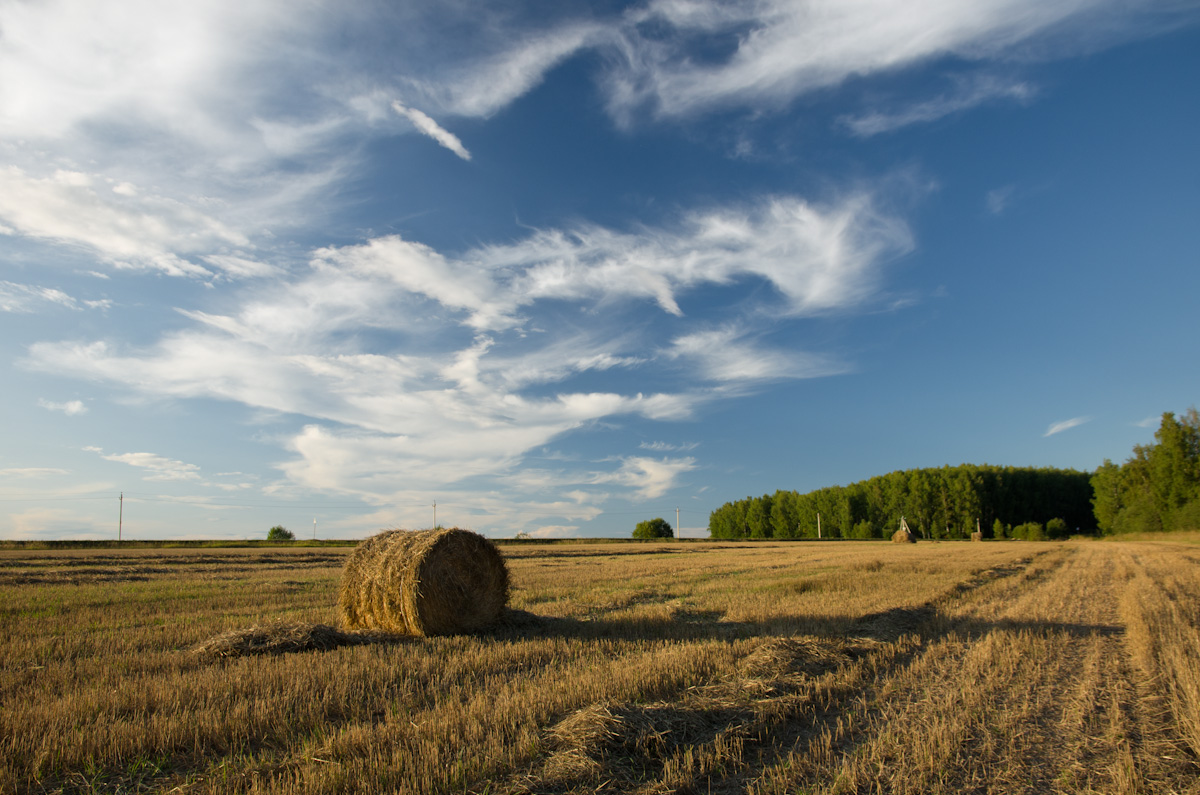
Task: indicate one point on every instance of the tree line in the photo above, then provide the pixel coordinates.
(1158, 488)
(947, 502)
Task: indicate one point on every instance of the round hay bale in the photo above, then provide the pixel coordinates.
(904, 536)
(426, 582)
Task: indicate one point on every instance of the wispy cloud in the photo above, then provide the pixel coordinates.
(730, 355)
(650, 478)
(429, 127)
(431, 415)
(512, 65)
(440, 368)
(263, 98)
(555, 531)
(968, 94)
(668, 447)
(159, 468)
(786, 49)
(32, 472)
(71, 407)
(78, 209)
(997, 200)
(1149, 422)
(818, 258)
(24, 298)
(1065, 425)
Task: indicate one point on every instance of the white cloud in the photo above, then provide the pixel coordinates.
(483, 86)
(383, 268)
(1065, 425)
(650, 478)
(668, 447)
(147, 232)
(244, 114)
(679, 58)
(1149, 422)
(23, 298)
(819, 258)
(429, 127)
(968, 94)
(257, 108)
(68, 61)
(726, 355)
(241, 267)
(785, 49)
(555, 531)
(71, 408)
(490, 377)
(160, 468)
(199, 125)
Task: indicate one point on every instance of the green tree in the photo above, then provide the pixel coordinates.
(1107, 495)
(1030, 531)
(758, 517)
(653, 528)
(1158, 487)
(862, 529)
(280, 533)
(1175, 465)
(1057, 528)
(784, 514)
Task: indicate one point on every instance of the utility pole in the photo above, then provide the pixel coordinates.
(677, 527)
(121, 517)
(818, 526)
(314, 528)
(435, 514)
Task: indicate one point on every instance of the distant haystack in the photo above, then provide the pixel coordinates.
(904, 535)
(977, 536)
(428, 582)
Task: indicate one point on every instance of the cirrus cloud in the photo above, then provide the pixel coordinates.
(1065, 425)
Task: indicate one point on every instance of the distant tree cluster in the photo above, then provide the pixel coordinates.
(1012, 502)
(653, 528)
(1158, 488)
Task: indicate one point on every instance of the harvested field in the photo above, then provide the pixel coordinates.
(1003, 667)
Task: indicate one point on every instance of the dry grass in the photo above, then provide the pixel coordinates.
(723, 667)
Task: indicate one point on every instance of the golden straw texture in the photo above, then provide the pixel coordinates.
(429, 582)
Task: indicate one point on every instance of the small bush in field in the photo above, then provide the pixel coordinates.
(280, 533)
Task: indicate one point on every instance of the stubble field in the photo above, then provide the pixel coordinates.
(1002, 667)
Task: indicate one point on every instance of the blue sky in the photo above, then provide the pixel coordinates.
(563, 266)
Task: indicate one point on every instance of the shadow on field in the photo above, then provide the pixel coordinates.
(921, 624)
(925, 621)
(794, 686)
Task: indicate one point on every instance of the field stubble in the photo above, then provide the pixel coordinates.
(763, 668)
